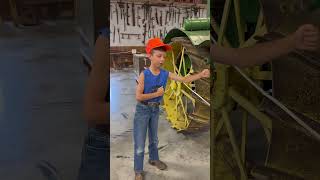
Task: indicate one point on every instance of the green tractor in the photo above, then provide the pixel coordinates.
(263, 120)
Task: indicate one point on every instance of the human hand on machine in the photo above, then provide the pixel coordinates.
(205, 73)
(306, 37)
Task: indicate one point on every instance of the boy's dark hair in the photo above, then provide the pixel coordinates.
(161, 48)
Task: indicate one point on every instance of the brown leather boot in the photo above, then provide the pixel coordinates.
(139, 176)
(159, 164)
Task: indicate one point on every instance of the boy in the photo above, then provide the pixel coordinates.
(150, 89)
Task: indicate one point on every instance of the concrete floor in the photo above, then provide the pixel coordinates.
(187, 156)
(41, 89)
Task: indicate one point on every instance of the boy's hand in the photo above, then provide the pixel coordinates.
(160, 91)
(307, 37)
(205, 73)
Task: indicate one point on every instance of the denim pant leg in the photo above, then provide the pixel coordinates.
(140, 125)
(95, 157)
(153, 134)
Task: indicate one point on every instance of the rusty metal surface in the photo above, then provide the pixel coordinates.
(297, 85)
(262, 172)
(294, 152)
(277, 12)
(296, 78)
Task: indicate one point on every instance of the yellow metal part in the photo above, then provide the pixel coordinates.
(177, 95)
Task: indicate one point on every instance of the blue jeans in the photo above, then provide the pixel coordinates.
(146, 117)
(95, 157)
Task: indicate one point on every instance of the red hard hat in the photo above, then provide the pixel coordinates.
(155, 43)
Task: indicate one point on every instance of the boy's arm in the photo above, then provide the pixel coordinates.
(187, 79)
(305, 38)
(95, 106)
(139, 91)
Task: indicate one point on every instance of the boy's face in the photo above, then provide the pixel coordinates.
(157, 58)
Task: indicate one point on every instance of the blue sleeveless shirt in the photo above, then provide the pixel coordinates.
(152, 83)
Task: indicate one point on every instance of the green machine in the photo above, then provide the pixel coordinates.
(187, 104)
(264, 120)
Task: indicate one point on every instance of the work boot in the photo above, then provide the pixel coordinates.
(139, 176)
(159, 164)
